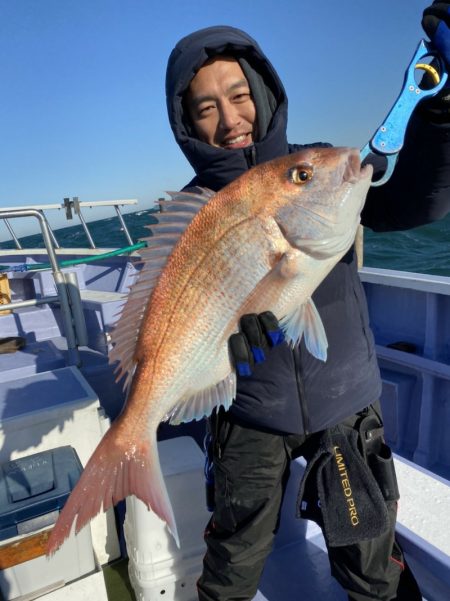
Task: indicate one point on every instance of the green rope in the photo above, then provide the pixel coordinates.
(112, 253)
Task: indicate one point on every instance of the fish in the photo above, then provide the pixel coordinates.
(262, 243)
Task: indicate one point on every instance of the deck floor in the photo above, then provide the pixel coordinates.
(118, 587)
(299, 571)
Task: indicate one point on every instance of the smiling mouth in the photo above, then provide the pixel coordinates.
(238, 142)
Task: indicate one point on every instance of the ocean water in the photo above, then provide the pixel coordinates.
(423, 250)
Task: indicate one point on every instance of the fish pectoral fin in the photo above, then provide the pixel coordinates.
(201, 404)
(289, 264)
(305, 321)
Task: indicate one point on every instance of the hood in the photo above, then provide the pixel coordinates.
(216, 167)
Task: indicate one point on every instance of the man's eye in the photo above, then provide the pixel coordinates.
(204, 110)
(242, 97)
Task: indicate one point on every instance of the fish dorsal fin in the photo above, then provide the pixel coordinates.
(175, 217)
(183, 201)
(203, 402)
(305, 321)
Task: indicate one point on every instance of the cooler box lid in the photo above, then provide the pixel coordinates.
(36, 485)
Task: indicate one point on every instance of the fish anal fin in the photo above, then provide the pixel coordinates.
(114, 472)
(305, 321)
(202, 403)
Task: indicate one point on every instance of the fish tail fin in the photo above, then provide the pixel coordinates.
(115, 471)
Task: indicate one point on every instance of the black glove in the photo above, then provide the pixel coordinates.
(436, 24)
(258, 333)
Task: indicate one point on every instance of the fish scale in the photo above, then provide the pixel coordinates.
(216, 304)
(219, 284)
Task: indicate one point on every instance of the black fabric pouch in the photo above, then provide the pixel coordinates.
(340, 492)
(378, 455)
(382, 467)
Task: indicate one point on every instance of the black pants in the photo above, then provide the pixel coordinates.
(251, 471)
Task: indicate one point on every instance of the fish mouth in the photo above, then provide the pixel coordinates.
(366, 171)
(354, 171)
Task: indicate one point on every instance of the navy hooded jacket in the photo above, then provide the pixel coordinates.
(292, 391)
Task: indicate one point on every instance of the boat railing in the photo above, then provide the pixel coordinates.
(71, 206)
(68, 294)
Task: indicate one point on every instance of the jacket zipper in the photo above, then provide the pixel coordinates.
(250, 155)
(300, 388)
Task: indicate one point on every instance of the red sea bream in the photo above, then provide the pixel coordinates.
(263, 243)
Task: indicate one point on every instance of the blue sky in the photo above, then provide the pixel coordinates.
(82, 85)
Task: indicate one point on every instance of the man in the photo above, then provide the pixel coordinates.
(228, 111)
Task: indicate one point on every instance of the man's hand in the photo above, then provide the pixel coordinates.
(258, 333)
(436, 24)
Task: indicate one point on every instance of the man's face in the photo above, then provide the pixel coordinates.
(220, 105)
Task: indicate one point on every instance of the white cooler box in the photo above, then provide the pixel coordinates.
(33, 489)
(50, 409)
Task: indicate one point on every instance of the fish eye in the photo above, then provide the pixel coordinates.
(301, 174)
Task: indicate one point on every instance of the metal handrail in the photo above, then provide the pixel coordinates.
(13, 235)
(32, 302)
(71, 207)
(61, 284)
(76, 205)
